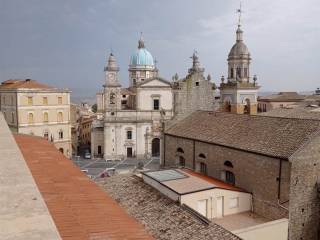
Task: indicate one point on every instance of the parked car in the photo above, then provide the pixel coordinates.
(87, 155)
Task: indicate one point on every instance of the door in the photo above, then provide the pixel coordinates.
(129, 152)
(202, 207)
(219, 207)
(155, 147)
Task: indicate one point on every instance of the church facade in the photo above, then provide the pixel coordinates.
(131, 120)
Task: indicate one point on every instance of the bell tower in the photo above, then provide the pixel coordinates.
(112, 87)
(239, 93)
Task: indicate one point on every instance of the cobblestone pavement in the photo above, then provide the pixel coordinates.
(161, 216)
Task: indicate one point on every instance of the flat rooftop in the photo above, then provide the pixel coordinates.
(184, 181)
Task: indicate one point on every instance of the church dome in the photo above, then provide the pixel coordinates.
(239, 49)
(141, 56)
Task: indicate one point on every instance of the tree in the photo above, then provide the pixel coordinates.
(94, 108)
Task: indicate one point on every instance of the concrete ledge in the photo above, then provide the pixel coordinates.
(23, 212)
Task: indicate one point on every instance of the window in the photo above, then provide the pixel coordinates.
(60, 117)
(231, 73)
(245, 72)
(203, 168)
(233, 202)
(59, 100)
(61, 150)
(11, 100)
(129, 134)
(45, 117)
(156, 104)
(201, 155)
(45, 101)
(30, 101)
(180, 150)
(142, 79)
(228, 164)
(238, 72)
(99, 150)
(134, 81)
(30, 118)
(46, 135)
(230, 178)
(123, 96)
(112, 98)
(197, 83)
(60, 134)
(12, 117)
(182, 161)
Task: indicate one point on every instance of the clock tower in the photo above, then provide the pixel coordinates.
(112, 87)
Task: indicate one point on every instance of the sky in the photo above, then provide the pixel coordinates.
(65, 43)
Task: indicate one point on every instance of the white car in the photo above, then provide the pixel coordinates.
(87, 155)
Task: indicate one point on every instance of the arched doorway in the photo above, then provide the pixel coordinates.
(155, 147)
(246, 109)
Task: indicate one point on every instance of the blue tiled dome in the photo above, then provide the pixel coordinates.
(142, 56)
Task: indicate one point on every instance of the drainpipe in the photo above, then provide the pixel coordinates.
(279, 187)
(194, 155)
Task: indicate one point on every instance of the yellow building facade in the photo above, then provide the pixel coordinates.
(33, 108)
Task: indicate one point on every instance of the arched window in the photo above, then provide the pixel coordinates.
(182, 161)
(230, 178)
(201, 155)
(228, 164)
(246, 109)
(30, 117)
(60, 117)
(45, 117)
(60, 134)
(238, 72)
(203, 168)
(227, 105)
(180, 150)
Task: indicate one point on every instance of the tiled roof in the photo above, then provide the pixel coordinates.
(283, 97)
(271, 136)
(163, 217)
(27, 83)
(80, 208)
(217, 183)
(303, 112)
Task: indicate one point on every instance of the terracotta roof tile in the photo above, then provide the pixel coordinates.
(216, 182)
(79, 208)
(271, 136)
(27, 83)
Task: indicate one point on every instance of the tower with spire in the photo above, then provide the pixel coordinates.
(239, 92)
(112, 87)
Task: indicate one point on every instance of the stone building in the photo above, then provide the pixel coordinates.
(194, 92)
(239, 94)
(280, 100)
(275, 159)
(131, 119)
(34, 108)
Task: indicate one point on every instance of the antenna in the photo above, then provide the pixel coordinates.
(239, 11)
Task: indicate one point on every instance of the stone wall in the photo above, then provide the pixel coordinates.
(193, 93)
(255, 173)
(304, 217)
